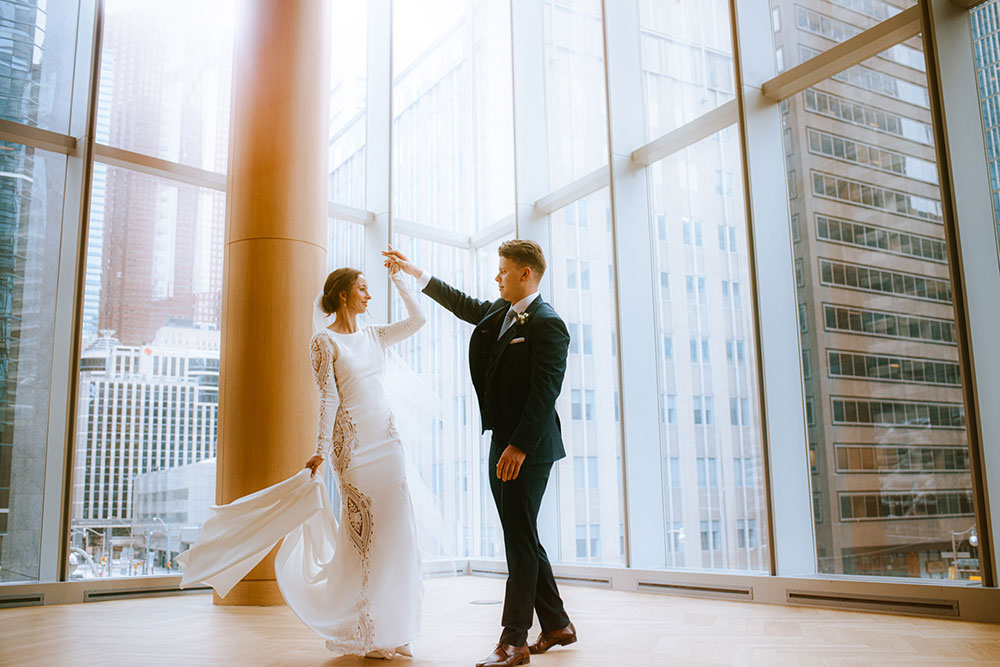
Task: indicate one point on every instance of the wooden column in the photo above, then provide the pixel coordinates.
(275, 254)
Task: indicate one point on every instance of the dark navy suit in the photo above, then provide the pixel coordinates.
(517, 379)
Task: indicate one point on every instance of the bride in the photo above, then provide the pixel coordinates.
(357, 584)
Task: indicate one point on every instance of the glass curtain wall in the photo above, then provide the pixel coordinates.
(986, 44)
(884, 402)
(574, 90)
(348, 106)
(714, 507)
(884, 396)
(147, 404)
(588, 483)
(37, 49)
(452, 171)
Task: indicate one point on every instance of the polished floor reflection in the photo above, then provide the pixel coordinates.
(461, 622)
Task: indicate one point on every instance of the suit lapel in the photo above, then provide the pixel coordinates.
(490, 325)
(484, 336)
(504, 341)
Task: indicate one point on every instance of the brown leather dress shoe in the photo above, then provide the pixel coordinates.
(561, 637)
(506, 655)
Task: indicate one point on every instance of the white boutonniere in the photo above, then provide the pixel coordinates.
(522, 317)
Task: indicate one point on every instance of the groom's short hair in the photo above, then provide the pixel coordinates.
(524, 253)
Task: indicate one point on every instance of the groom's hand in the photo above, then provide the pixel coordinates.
(509, 464)
(401, 262)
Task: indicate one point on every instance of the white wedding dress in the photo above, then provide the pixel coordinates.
(356, 582)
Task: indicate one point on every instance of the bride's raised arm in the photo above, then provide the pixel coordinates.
(397, 331)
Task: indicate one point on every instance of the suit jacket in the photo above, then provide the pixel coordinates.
(518, 377)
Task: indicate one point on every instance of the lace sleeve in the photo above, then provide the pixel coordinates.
(403, 329)
(323, 353)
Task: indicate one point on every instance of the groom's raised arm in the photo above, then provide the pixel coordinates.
(547, 369)
(458, 302)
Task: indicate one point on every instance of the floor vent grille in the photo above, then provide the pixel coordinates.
(130, 593)
(23, 600)
(601, 582)
(490, 572)
(716, 592)
(895, 605)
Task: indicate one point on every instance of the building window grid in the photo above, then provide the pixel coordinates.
(856, 152)
(872, 279)
(866, 195)
(888, 325)
(838, 31)
(904, 414)
(878, 238)
(902, 458)
(876, 9)
(885, 505)
(843, 364)
(875, 81)
(856, 113)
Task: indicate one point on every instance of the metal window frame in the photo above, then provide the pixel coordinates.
(966, 202)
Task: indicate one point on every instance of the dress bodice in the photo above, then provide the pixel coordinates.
(359, 366)
(350, 368)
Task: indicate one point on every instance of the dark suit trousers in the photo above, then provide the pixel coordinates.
(530, 584)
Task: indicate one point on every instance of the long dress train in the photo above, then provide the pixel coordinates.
(356, 582)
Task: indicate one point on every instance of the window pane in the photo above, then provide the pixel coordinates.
(817, 25)
(439, 354)
(589, 430)
(165, 80)
(348, 101)
(986, 42)
(31, 199)
(881, 378)
(716, 317)
(576, 105)
(37, 53)
(149, 373)
(687, 61)
(453, 131)
(345, 245)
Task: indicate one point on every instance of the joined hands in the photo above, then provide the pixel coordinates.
(396, 261)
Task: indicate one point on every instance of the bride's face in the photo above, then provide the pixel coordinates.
(358, 296)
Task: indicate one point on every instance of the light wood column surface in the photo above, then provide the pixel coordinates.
(275, 254)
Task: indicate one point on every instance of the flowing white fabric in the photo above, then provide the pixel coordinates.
(357, 583)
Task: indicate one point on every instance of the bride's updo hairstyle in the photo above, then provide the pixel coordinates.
(337, 283)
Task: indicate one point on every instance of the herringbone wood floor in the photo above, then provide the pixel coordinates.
(616, 628)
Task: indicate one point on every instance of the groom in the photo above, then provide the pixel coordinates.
(517, 357)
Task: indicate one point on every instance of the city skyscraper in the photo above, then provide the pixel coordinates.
(18, 73)
(141, 409)
(147, 398)
(884, 402)
(31, 190)
(986, 43)
(159, 243)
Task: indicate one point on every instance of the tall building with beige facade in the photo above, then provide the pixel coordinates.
(884, 401)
